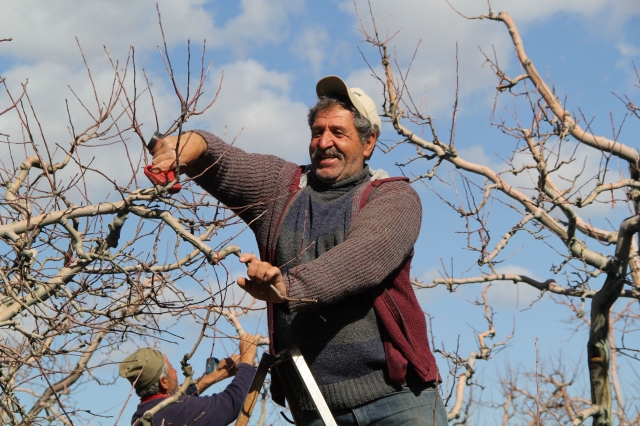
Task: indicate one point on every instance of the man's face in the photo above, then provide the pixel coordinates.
(336, 150)
(172, 379)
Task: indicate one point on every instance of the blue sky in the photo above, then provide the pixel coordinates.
(272, 53)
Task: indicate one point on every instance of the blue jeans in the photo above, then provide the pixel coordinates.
(404, 407)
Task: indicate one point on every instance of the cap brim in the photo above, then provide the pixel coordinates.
(333, 84)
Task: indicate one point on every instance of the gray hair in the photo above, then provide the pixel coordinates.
(363, 125)
(154, 387)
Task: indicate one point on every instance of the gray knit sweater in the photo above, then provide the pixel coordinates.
(328, 250)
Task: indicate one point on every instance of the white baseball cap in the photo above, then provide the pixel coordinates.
(363, 103)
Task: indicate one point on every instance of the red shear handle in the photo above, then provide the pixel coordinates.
(163, 178)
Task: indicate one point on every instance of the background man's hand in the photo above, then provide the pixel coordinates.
(248, 347)
(228, 365)
(192, 147)
(226, 368)
(262, 275)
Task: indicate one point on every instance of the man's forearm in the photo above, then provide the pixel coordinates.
(380, 238)
(212, 378)
(243, 181)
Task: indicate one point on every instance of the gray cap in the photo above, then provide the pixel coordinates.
(363, 103)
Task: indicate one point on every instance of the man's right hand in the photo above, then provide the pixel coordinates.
(248, 347)
(262, 275)
(192, 147)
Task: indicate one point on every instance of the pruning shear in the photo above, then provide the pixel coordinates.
(164, 177)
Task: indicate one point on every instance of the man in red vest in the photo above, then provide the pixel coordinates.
(336, 241)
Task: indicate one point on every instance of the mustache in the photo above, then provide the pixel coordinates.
(318, 153)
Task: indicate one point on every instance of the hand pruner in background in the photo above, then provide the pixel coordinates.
(164, 177)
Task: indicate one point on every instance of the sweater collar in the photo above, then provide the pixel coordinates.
(344, 185)
(152, 397)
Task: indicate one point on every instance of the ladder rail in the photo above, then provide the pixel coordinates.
(268, 362)
(312, 387)
(254, 390)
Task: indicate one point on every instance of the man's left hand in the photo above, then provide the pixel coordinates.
(262, 275)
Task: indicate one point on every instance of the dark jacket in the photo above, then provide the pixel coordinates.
(194, 410)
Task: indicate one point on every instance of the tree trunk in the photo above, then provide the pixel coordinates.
(598, 349)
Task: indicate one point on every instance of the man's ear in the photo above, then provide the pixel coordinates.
(163, 383)
(369, 145)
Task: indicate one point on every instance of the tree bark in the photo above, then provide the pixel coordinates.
(598, 349)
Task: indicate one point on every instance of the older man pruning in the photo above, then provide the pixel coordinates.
(336, 241)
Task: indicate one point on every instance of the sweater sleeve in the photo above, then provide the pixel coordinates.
(246, 183)
(380, 237)
(223, 408)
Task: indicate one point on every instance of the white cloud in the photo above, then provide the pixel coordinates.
(503, 295)
(628, 50)
(47, 30)
(48, 92)
(629, 54)
(311, 45)
(254, 101)
(261, 22)
(507, 296)
(438, 28)
(44, 51)
(605, 11)
(584, 168)
(477, 154)
(255, 104)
